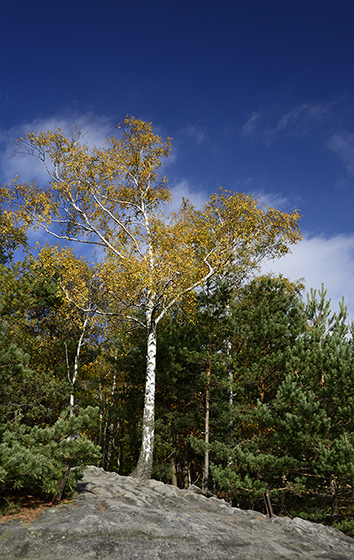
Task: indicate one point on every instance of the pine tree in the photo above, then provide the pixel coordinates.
(309, 426)
(35, 460)
(35, 385)
(266, 320)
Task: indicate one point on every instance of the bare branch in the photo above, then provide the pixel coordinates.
(120, 224)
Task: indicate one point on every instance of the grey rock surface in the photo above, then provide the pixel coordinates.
(120, 518)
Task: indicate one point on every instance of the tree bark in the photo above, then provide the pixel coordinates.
(72, 379)
(334, 498)
(56, 499)
(144, 466)
(207, 396)
(206, 428)
(174, 481)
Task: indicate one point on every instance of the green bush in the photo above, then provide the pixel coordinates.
(346, 527)
(35, 460)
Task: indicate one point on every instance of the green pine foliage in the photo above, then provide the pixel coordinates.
(34, 460)
(37, 440)
(31, 349)
(179, 400)
(311, 418)
(192, 367)
(296, 440)
(266, 320)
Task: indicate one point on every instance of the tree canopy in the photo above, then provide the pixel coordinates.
(112, 198)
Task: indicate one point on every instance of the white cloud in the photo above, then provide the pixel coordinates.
(95, 129)
(298, 120)
(342, 144)
(327, 260)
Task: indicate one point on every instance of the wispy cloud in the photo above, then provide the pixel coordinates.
(273, 123)
(197, 133)
(265, 194)
(319, 259)
(251, 127)
(273, 199)
(342, 144)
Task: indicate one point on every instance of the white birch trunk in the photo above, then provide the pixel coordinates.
(207, 428)
(73, 378)
(144, 466)
(111, 438)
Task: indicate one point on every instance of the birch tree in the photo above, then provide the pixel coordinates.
(111, 198)
(75, 282)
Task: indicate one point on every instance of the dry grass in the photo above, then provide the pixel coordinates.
(27, 509)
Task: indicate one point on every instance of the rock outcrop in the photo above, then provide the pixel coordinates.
(120, 518)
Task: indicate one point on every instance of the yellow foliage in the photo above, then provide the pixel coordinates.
(112, 197)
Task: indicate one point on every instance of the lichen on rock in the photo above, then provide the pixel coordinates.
(115, 518)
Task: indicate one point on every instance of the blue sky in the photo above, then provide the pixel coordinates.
(257, 95)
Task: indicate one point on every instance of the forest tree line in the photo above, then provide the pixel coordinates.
(255, 391)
